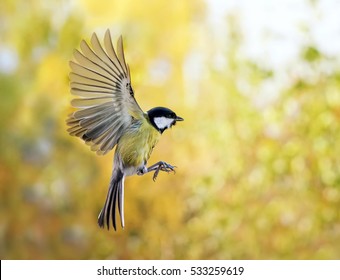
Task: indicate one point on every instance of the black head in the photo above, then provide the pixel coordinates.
(162, 118)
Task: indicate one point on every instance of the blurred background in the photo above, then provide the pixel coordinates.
(258, 177)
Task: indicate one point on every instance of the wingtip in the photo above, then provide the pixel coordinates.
(107, 31)
(72, 64)
(94, 34)
(107, 35)
(94, 38)
(83, 44)
(120, 42)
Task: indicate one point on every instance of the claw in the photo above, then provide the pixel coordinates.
(161, 166)
(168, 168)
(154, 177)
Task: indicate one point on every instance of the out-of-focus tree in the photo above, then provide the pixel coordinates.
(254, 180)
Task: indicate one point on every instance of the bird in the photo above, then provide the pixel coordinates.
(108, 116)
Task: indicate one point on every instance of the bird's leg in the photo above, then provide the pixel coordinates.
(142, 171)
(160, 166)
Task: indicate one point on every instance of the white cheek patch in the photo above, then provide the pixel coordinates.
(163, 122)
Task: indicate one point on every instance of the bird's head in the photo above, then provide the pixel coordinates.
(162, 118)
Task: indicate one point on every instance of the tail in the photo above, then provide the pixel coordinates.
(114, 195)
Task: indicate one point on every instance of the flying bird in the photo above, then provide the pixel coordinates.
(107, 115)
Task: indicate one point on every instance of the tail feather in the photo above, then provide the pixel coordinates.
(114, 196)
(113, 209)
(121, 202)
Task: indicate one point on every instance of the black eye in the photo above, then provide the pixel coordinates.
(171, 115)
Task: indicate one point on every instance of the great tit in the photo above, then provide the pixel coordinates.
(108, 115)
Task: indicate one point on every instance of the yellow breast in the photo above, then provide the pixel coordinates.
(136, 145)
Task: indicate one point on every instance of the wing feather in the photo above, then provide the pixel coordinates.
(111, 52)
(105, 103)
(98, 57)
(90, 89)
(92, 112)
(91, 74)
(121, 57)
(96, 64)
(88, 81)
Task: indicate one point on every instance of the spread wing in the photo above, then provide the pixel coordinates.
(106, 105)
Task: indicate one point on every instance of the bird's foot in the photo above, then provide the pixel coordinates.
(161, 166)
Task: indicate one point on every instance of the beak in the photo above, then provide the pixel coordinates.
(179, 119)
